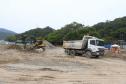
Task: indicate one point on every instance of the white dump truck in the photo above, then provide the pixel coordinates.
(89, 46)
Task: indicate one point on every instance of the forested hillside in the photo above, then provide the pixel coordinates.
(109, 31)
(69, 31)
(37, 33)
(112, 30)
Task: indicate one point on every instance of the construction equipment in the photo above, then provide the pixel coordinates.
(31, 46)
(89, 46)
(39, 44)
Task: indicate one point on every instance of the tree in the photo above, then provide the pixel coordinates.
(11, 38)
(61, 34)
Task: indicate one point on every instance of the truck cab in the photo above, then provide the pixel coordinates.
(95, 47)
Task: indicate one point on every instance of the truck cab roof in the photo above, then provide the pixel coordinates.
(91, 38)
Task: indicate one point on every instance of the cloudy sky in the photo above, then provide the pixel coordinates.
(22, 15)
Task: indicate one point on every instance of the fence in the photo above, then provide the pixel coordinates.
(122, 45)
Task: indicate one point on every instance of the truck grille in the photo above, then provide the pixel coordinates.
(101, 49)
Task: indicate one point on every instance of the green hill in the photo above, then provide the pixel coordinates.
(39, 32)
(110, 31)
(65, 33)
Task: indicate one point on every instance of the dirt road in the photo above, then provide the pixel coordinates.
(54, 67)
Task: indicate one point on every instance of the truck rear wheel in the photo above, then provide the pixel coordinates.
(88, 54)
(72, 52)
(67, 51)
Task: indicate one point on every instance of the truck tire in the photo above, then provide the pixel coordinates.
(88, 54)
(67, 51)
(97, 56)
(72, 52)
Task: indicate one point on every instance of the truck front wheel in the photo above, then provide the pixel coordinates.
(88, 54)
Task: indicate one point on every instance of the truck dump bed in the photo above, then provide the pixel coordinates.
(76, 44)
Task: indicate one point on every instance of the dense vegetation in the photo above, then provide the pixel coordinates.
(38, 33)
(109, 31)
(112, 30)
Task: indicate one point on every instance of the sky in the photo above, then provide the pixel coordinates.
(23, 15)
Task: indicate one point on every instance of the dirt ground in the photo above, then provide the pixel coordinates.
(54, 67)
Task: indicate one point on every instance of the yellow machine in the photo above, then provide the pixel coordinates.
(39, 44)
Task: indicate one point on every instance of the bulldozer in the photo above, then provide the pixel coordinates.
(39, 45)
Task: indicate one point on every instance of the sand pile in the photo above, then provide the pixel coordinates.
(48, 44)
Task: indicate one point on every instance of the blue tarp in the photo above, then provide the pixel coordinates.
(108, 46)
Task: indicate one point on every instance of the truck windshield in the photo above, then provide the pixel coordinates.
(99, 43)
